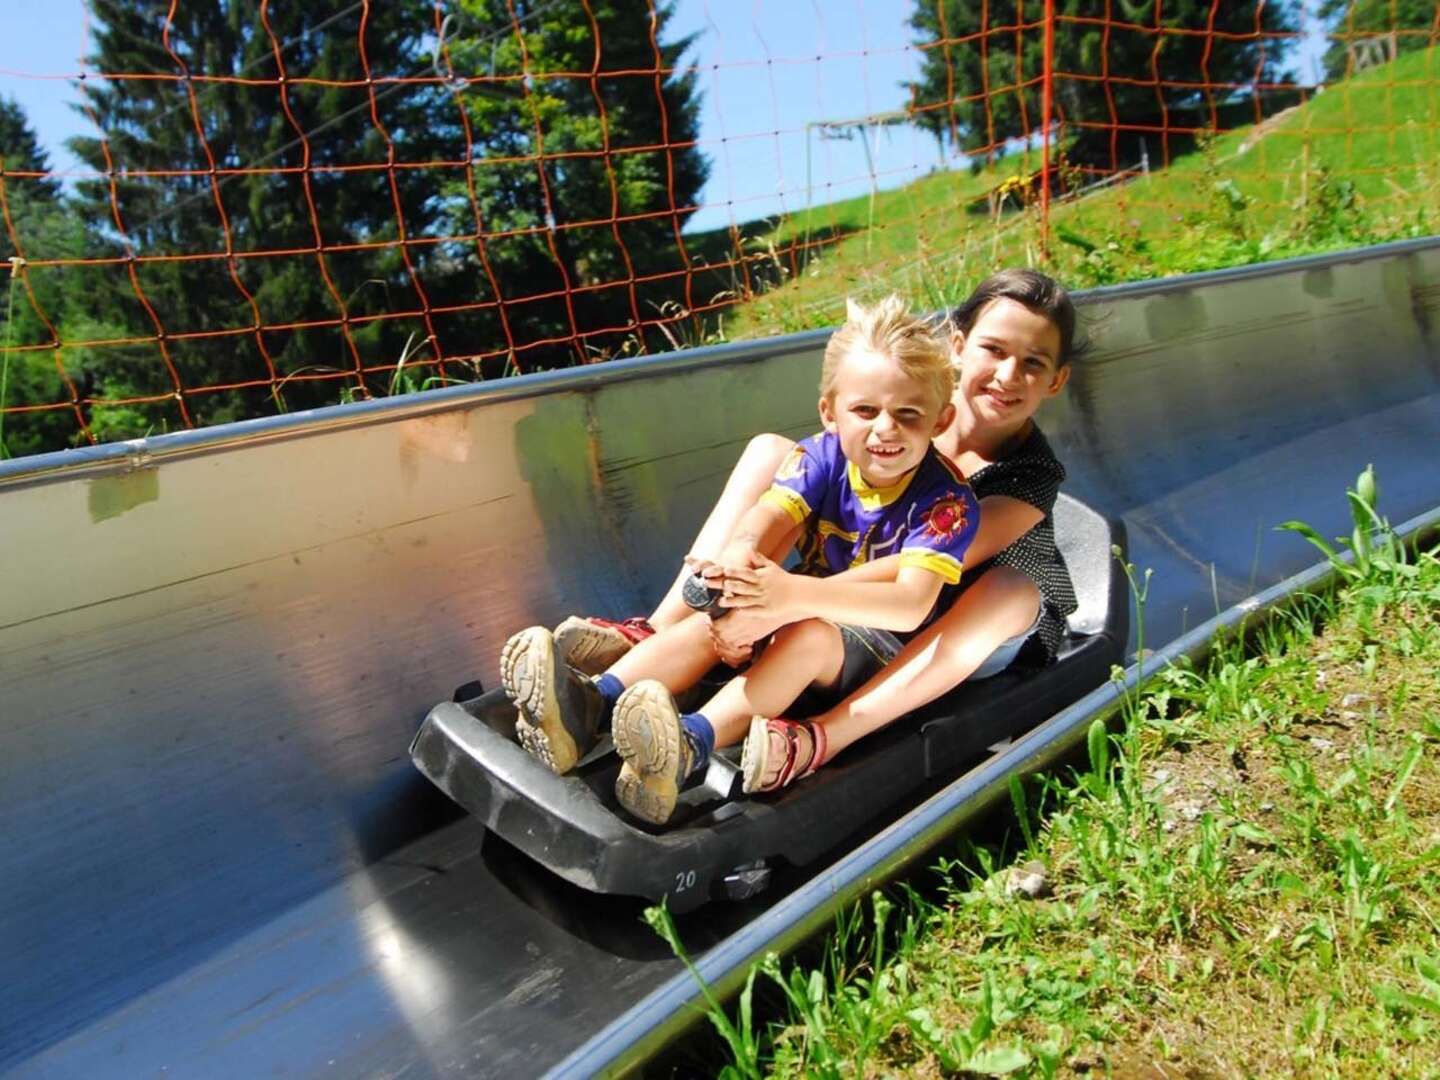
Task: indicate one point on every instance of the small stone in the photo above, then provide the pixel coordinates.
(1190, 812)
(1349, 714)
(1349, 701)
(1321, 676)
(1321, 743)
(1029, 880)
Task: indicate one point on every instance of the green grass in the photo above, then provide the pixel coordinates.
(1357, 164)
(828, 244)
(1243, 880)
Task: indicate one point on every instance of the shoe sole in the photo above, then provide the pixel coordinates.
(649, 796)
(753, 755)
(588, 648)
(527, 673)
(648, 784)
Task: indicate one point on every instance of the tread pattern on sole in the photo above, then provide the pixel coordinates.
(752, 765)
(526, 675)
(650, 797)
(648, 785)
(534, 742)
(589, 648)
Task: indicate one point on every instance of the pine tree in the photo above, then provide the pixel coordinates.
(589, 178)
(31, 295)
(312, 179)
(980, 83)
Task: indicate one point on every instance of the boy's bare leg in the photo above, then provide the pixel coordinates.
(997, 607)
(801, 655)
(659, 748)
(677, 656)
(749, 479)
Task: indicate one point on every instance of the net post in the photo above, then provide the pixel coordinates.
(1047, 83)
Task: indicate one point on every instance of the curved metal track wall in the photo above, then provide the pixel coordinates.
(215, 646)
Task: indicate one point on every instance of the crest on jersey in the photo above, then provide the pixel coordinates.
(790, 466)
(946, 518)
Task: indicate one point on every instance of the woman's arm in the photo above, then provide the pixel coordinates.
(1000, 605)
(1003, 520)
(751, 477)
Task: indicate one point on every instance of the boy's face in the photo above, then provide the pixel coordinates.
(884, 418)
(1009, 363)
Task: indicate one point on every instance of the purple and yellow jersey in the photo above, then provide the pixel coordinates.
(928, 518)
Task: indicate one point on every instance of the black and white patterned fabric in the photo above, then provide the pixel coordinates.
(1033, 474)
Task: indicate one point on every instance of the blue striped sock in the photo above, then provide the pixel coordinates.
(700, 734)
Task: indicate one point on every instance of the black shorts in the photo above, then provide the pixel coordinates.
(867, 651)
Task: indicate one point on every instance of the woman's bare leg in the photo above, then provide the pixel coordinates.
(750, 478)
(998, 606)
(677, 656)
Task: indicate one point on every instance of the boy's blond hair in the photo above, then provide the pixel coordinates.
(918, 346)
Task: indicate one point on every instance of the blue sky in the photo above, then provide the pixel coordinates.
(761, 80)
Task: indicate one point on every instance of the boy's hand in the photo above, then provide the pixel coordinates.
(762, 589)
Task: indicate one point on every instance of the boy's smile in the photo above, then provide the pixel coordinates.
(884, 418)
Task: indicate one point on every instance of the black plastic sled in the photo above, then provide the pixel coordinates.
(721, 843)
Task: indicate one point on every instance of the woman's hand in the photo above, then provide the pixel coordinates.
(737, 632)
(735, 655)
(737, 553)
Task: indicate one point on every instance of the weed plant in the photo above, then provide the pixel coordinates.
(1241, 881)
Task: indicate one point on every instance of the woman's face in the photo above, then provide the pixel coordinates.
(1009, 363)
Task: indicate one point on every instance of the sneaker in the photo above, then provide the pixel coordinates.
(592, 644)
(656, 754)
(560, 709)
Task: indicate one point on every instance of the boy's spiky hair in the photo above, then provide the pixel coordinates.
(919, 346)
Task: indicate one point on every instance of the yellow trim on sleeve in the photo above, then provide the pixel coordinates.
(788, 500)
(937, 562)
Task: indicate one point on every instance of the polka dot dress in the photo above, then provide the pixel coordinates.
(1032, 474)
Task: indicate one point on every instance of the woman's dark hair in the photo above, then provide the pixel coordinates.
(1038, 292)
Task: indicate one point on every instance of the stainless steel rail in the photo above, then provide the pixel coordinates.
(214, 647)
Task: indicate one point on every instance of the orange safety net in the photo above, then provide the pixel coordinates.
(363, 199)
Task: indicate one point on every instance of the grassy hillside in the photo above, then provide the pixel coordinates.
(1241, 883)
(1356, 164)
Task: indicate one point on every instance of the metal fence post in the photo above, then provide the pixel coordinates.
(1046, 103)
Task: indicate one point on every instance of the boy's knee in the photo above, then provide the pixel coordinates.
(807, 634)
(811, 646)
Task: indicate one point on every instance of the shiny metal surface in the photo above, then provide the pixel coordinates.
(215, 646)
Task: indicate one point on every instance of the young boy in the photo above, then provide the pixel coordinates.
(869, 485)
